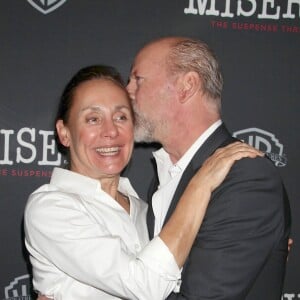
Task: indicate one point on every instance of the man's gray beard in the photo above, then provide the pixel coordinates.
(143, 128)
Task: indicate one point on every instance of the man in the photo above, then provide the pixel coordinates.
(241, 249)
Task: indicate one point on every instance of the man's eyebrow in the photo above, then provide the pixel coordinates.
(133, 73)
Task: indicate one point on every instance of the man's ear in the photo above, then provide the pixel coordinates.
(190, 84)
(63, 133)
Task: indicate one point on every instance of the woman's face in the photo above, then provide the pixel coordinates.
(99, 131)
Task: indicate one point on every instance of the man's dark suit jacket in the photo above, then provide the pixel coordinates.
(241, 249)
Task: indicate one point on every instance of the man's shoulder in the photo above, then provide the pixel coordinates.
(258, 166)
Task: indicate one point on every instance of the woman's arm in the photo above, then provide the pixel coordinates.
(181, 229)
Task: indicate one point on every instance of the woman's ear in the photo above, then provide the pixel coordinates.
(190, 84)
(63, 133)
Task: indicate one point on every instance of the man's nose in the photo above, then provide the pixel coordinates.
(131, 88)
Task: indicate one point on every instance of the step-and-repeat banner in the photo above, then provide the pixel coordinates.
(43, 42)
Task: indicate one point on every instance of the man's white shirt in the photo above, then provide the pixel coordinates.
(169, 175)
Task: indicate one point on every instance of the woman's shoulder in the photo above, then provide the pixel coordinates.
(47, 199)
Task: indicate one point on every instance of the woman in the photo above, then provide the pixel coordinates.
(86, 230)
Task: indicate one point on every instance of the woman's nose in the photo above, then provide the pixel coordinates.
(109, 129)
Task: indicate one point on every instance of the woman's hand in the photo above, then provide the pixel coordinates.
(216, 167)
(290, 244)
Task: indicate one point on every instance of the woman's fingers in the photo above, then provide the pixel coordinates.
(217, 166)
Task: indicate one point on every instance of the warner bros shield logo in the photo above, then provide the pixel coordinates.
(19, 289)
(46, 6)
(264, 141)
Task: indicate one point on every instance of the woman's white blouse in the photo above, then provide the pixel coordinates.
(84, 245)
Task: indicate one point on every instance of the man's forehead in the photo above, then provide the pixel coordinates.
(149, 57)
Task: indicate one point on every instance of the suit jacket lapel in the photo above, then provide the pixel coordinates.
(150, 214)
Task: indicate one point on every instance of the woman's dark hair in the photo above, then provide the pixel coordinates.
(83, 75)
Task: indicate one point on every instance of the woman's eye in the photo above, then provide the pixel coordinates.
(92, 120)
(121, 118)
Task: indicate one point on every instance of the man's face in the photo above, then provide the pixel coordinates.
(151, 92)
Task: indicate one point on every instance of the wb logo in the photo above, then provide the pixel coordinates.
(265, 142)
(19, 289)
(46, 6)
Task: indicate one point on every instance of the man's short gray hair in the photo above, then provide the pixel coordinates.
(194, 55)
